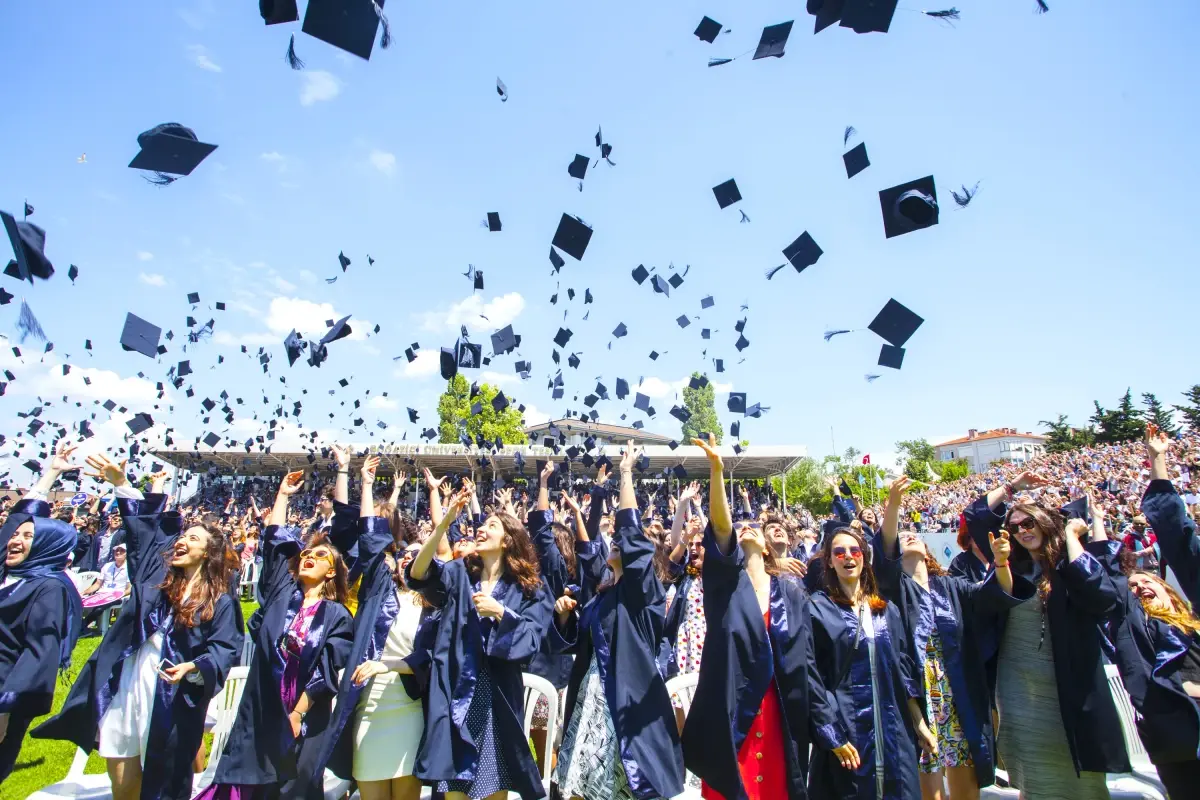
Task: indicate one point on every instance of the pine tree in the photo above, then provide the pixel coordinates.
(1061, 437)
(703, 420)
(1191, 411)
(1121, 424)
(1159, 415)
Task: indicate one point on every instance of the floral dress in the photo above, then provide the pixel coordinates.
(941, 714)
(689, 644)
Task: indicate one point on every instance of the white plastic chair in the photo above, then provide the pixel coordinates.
(83, 580)
(80, 786)
(1144, 780)
(249, 585)
(535, 688)
(682, 689)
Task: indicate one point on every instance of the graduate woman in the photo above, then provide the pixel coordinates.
(301, 641)
(862, 658)
(495, 610)
(621, 739)
(144, 692)
(748, 732)
(40, 610)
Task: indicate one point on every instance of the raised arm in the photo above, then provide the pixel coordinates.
(628, 496)
(581, 534)
(718, 502)
(1167, 515)
(420, 564)
(682, 507)
(435, 497)
(341, 485)
(891, 514)
(543, 495)
(1002, 494)
(366, 505)
(290, 484)
(63, 450)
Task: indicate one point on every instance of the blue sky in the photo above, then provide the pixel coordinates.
(1070, 277)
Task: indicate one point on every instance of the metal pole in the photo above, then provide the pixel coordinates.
(783, 480)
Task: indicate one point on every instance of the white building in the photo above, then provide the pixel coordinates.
(982, 448)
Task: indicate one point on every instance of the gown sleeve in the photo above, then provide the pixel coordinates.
(278, 545)
(221, 645)
(640, 587)
(147, 530)
(1089, 586)
(824, 717)
(28, 690)
(553, 566)
(1176, 534)
(519, 633)
(336, 652)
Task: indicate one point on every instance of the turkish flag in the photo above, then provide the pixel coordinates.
(867, 458)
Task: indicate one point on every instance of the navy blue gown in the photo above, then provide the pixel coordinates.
(177, 720)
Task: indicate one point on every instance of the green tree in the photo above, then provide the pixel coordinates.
(704, 420)
(1061, 436)
(454, 415)
(1158, 414)
(1121, 424)
(917, 458)
(807, 486)
(1191, 411)
(953, 470)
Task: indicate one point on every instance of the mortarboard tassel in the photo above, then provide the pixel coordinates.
(502, 90)
(967, 195)
(385, 41)
(849, 132)
(744, 217)
(716, 62)
(1042, 7)
(946, 14)
(771, 272)
(293, 60)
(830, 334)
(870, 378)
(161, 179)
(28, 325)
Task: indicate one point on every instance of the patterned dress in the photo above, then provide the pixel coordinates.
(942, 716)
(689, 644)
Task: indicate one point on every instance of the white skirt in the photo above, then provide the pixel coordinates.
(125, 727)
(387, 730)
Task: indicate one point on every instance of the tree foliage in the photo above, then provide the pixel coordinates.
(1122, 424)
(918, 459)
(701, 403)
(455, 417)
(1191, 411)
(807, 486)
(953, 470)
(1062, 436)
(1157, 413)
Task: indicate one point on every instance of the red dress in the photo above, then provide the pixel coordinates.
(761, 759)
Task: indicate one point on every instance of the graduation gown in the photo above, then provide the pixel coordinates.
(40, 619)
(377, 611)
(741, 658)
(177, 721)
(554, 667)
(622, 627)
(261, 748)
(668, 665)
(1176, 532)
(966, 603)
(1082, 596)
(463, 645)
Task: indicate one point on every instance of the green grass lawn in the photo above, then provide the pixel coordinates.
(43, 761)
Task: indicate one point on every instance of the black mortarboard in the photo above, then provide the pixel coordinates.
(707, 302)
(676, 280)
(468, 355)
(895, 324)
(705, 333)
(412, 415)
(193, 297)
(6, 298)
(573, 361)
(449, 363)
(171, 149)
(578, 167)
(208, 404)
(504, 340)
(140, 335)
(707, 30)
(773, 40)
(683, 321)
(109, 405)
(827, 13)
(756, 410)
(660, 285)
(1076, 509)
(890, 356)
(28, 244)
(72, 272)
(556, 260)
(622, 388)
(727, 193)
(499, 402)
(347, 26)
(640, 273)
(572, 236)
(698, 382)
(742, 343)
(221, 306)
(139, 423)
(620, 330)
(856, 160)
(277, 11)
(212, 440)
(737, 402)
(641, 402)
(562, 337)
(184, 369)
(680, 413)
(654, 355)
(493, 221)
(478, 283)
(339, 330)
(803, 253)
(866, 16)
(909, 207)
(735, 429)
(680, 472)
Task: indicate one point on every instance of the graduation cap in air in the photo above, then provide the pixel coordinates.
(193, 298)
(773, 40)
(909, 207)
(562, 337)
(139, 423)
(493, 221)
(727, 193)
(317, 351)
(504, 340)
(867, 16)
(1076, 509)
(698, 382)
(140, 335)
(169, 149)
(499, 402)
(707, 302)
(801, 254)
(683, 321)
(572, 236)
(707, 30)
(212, 440)
(277, 11)
(895, 324)
(737, 402)
(660, 285)
(345, 262)
(348, 26)
(890, 356)
(620, 330)
(468, 355)
(856, 159)
(676, 280)
(28, 244)
(680, 413)
(640, 273)
(578, 167)
(294, 346)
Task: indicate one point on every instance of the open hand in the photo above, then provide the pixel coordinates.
(792, 566)
(848, 756)
(1157, 442)
(368, 670)
(291, 483)
(898, 488)
(341, 453)
(370, 464)
(710, 449)
(547, 471)
(102, 468)
(63, 451)
(628, 458)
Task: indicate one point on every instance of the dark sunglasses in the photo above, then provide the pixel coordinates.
(840, 553)
(741, 526)
(1027, 524)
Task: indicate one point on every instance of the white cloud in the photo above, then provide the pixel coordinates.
(144, 255)
(500, 311)
(152, 279)
(307, 317)
(535, 416)
(307, 276)
(273, 157)
(427, 363)
(249, 339)
(653, 386)
(283, 285)
(319, 86)
(200, 58)
(379, 401)
(384, 162)
(499, 379)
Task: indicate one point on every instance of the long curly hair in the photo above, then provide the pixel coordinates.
(565, 539)
(866, 582)
(336, 588)
(1179, 616)
(1054, 543)
(520, 561)
(215, 572)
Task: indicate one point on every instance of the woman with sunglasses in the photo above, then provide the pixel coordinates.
(166, 655)
(1059, 730)
(621, 740)
(864, 668)
(495, 610)
(941, 614)
(301, 641)
(747, 734)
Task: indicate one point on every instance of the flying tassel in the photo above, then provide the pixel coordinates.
(1042, 7)
(871, 378)
(716, 62)
(967, 195)
(849, 132)
(830, 334)
(946, 15)
(293, 60)
(385, 41)
(771, 272)
(28, 325)
(744, 217)
(161, 179)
